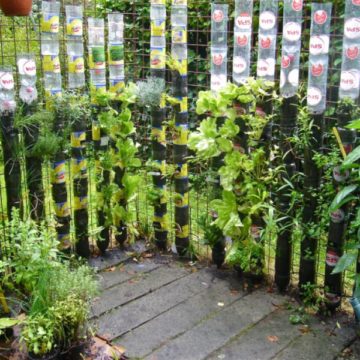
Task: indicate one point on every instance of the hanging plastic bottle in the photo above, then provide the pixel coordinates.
(319, 57)
(27, 70)
(242, 40)
(291, 47)
(267, 39)
(7, 95)
(350, 68)
(219, 21)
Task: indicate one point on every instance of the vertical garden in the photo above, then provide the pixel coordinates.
(222, 131)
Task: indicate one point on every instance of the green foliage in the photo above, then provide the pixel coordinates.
(245, 176)
(34, 249)
(149, 92)
(38, 334)
(212, 233)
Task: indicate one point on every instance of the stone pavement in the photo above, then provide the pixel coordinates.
(161, 309)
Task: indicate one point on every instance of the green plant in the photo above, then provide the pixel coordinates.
(212, 234)
(39, 334)
(150, 92)
(33, 250)
(245, 176)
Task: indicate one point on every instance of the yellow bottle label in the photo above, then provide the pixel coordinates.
(181, 171)
(179, 36)
(182, 231)
(158, 58)
(74, 27)
(158, 28)
(80, 203)
(78, 138)
(62, 209)
(76, 64)
(184, 104)
(158, 2)
(51, 63)
(79, 167)
(58, 173)
(181, 135)
(96, 132)
(159, 135)
(49, 23)
(182, 200)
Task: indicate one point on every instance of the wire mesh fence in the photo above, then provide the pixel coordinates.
(22, 35)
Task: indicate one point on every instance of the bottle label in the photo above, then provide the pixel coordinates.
(314, 96)
(331, 258)
(319, 44)
(76, 64)
(337, 216)
(349, 80)
(74, 26)
(239, 64)
(7, 80)
(158, 58)
(267, 20)
(49, 23)
(218, 16)
(116, 54)
(58, 173)
(241, 39)
(292, 31)
(244, 21)
(51, 64)
(320, 17)
(352, 28)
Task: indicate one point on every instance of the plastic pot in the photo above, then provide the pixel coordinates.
(16, 7)
(49, 356)
(218, 254)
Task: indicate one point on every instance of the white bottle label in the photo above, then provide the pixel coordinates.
(314, 96)
(267, 20)
(352, 28)
(319, 44)
(292, 31)
(239, 65)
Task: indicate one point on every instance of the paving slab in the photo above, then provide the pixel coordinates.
(125, 318)
(136, 287)
(213, 333)
(179, 319)
(325, 340)
(110, 258)
(125, 272)
(261, 342)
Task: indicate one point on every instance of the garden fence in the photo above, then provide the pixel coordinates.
(22, 35)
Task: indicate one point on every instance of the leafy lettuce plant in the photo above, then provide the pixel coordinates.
(245, 174)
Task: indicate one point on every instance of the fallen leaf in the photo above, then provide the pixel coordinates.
(273, 338)
(149, 255)
(304, 329)
(338, 325)
(111, 269)
(234, 292)
(221, 304)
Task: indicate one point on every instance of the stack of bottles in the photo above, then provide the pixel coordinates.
(242, 40)
(219, 48)
(318, 57)
(49, 25)
(75, 47)
(267, 39)
(97, 60)
(291, 47)
(116, 52)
